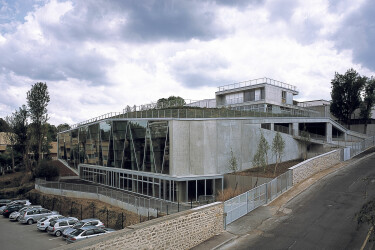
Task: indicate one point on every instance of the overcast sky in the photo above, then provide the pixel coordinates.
(99, 56)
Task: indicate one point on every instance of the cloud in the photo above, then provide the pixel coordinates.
(357, 32)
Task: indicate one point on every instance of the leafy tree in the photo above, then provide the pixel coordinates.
(233, 165)
(11, 136)
(37, 101)
(346, 94)
(368, 102)
(261, 156)
(278, 146)
(21, 131)
(3, 126)
(172, 101)
(62, 127)
(306, 141)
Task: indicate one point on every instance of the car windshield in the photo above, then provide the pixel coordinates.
(78, 225)
(77, 232)
(43, 219)
(52, 223)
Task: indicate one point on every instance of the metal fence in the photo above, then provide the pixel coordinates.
(361, 146)
(141, 205)
(244, 203)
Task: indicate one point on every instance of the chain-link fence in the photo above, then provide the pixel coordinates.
(244, 203)
(145, 206)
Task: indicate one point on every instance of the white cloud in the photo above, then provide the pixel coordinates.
(93, 66)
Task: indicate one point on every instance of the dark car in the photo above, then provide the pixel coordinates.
(10, 209)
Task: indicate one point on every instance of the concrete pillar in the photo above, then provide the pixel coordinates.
(329, 132)
(295, 129)
(273, 126)
(181, 191)
(290, 129)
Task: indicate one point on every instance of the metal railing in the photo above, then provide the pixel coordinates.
(257, 81)
(361, 146)
(143, 205)
(244, 203)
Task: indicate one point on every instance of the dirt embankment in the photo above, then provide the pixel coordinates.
(111, 216)
(15, 184)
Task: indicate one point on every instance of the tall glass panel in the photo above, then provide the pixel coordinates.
(74, 155)
(60, 138)
(129, 157)
(119, 131)
(93, 144)
(82, 138)
(105, 139)
(158, 133)
(67, 140)
(138, 133)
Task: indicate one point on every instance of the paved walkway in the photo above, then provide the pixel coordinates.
(254, 223)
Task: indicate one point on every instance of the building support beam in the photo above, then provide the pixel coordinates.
(329, 132)
(295, 129)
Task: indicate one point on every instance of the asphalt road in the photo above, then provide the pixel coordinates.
(324, 216)
(14, 235)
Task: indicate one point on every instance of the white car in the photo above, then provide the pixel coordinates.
(44, 222)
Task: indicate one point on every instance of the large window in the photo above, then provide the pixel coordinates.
(139, 145)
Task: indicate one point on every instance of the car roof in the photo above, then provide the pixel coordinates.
(66, 218)
(88, 228)
(91, 219)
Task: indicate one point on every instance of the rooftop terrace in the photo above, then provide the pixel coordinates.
(255, 82)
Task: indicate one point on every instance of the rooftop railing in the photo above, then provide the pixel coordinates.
(255, 82)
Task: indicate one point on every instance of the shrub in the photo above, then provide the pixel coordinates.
(46, 170)
(228, 193)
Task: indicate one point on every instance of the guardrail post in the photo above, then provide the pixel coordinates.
(266, 192)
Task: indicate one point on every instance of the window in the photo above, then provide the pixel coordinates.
(283, 96)
(63, 223)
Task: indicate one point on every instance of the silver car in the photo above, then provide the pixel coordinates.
(33, 215)
(44, 222)
(86, 233)
(57, 227)
(82, 223)
(16, 214)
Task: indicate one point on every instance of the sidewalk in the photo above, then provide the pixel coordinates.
(254, 223)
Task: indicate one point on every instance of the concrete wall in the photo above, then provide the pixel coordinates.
(182, 230)
(204, 147)
(309, 167)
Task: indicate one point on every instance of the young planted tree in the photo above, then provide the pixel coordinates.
(261, 156)
(233, 165)
(346, 94)
(368, 102)
(306, 141)
(37, 101)
(278, 146)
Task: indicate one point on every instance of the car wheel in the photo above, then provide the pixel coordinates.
(30, 222)
(58, 233)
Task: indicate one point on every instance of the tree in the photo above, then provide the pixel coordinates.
(306, 141)
(278, 146)
(261, 156)
(172, 101)
(3, 126)
(37, 101)
(11, 136)
(368, 102)
(63, 127)
(346, 94)
(233, 166)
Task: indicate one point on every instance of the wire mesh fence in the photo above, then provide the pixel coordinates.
(145, 206)
(244, 203)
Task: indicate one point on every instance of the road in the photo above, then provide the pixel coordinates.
(322, 217)
(14, 235)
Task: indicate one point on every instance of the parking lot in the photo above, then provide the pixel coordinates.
(14, 235)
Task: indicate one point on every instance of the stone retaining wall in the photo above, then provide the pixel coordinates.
(182, 230)
(311, 166)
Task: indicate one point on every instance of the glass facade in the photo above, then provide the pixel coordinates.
(135, 145)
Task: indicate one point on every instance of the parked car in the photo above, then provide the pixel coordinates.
(57, 227)
(4, 202)
(86, 233)
(33, 215)
(11, 208)
(24, 202)
(16, 214)
(44, 222)
(82, 223)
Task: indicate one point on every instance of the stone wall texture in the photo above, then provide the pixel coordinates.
(182, 230)
(311, 166)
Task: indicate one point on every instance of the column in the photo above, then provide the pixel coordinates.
(329, 132)
(295, 129)
(272, 126)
